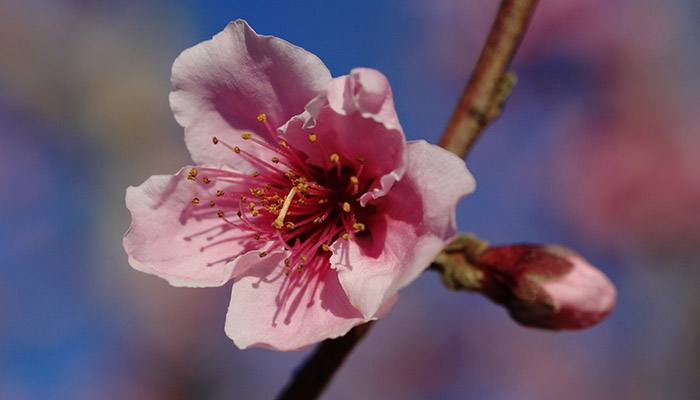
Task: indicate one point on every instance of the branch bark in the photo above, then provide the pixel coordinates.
(490, 84)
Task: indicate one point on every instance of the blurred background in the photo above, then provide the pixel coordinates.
(598, 149)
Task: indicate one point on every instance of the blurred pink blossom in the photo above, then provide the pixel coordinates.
(305, 191)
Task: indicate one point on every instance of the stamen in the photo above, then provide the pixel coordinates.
(279, 222)
(206, 180)
(262, 117)
(359, 226)
(354, 180)
(345, 236)
(195, 200)
(346, 207)
(325, 247)
(215, 140)
(211, 203)
(262, 254)
(219, 193)
(237, 150)
(220, 214)
(312, 138)
(246, 135)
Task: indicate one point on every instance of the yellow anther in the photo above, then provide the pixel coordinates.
(275, 160)
(345, 236)
(321, 201)
(358, 226)
(286, 261)
(193, 172)
(256, 174)
(346, 207)
(243, 198)
(219, 193)
(361, 160)
(262, 117)
(256, 236)
(237, 150)
(286, 272)
(246, 135)
(220, 214)
(262, 254)
(255, 213)
(304, 258)
(191, 177)
(215, 140)
(300, 269)
(335, 158)
(289, 225)
(251, 205)
(279, 221)
(206, 180)
(195, 200)
(325, 247)
(211, 203)
(312, 138)
(354, 180)
(283, 143)
(317, 220)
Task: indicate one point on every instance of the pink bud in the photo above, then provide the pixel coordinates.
(548, 287)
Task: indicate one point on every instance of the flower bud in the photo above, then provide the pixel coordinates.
(546, 286)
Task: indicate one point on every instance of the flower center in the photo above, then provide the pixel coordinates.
(300, 207)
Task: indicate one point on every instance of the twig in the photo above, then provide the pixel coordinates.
(480, 103)
(489, 84)
(312, 378)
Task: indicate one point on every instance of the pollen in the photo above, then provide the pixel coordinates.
(195, 200)
(219, 193)
(246, 135)
(215, 140)
(354, 180)
(262, 117)
(335, 158)
(312, 138)
(193, 172)
(346, 207)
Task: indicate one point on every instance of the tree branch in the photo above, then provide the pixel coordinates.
(489, 84)
(312, 378)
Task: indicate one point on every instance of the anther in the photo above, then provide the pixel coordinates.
(243, 198)
(256, 236)
(354, 180)
(215, 140)
(237, 150)
(300, 269)
(289, 225)
(335, 158)
(312, 138)
(206, 180)
(256, 174)
(195, 200)
(239, 213)
(283, 143)
(346, 207)
(358, 226)
(286, 261)
(220, 214)
(275, 160)
(251, 205)
(262, 254)
(361, 160)
(211, 203)
(262, 117)
(325, 247)
(304, 258)
(255, 213)
(345, 236)
(246, 135)
(219, 193)
(193, 172)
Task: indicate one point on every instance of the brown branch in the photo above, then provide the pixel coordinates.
(480, 104)
(489, 84)
(311, 379)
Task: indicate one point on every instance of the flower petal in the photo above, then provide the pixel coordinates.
(223, 84)
(354, 117)
(171, 237)
(410, 225)
(272, 310)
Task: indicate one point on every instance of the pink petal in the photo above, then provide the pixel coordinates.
(411, 224)
(354, 117)
(223, 84)
(265, 312)
(166, 239)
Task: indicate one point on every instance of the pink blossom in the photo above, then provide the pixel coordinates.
(304, 192)
(547, 287)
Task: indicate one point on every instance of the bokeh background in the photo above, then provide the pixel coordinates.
(598, 149)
